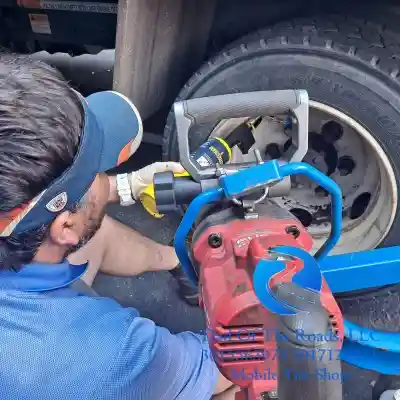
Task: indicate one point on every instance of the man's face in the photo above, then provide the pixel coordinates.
(93, 210)
(72, 230)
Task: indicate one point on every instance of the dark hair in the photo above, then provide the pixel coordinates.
(41, 120)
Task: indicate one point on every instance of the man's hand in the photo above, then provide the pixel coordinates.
(139, 180)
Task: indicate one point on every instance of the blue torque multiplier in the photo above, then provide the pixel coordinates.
(343, 273)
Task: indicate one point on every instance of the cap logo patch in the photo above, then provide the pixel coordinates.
(57, 203)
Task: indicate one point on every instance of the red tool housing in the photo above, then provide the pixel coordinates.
(240, 330)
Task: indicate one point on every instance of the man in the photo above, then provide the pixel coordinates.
(59, 340)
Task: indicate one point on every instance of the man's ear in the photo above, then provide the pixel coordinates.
(64, 230)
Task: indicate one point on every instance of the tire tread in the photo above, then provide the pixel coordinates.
(369, 43)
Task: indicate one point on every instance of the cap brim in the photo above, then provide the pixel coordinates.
(122, 126)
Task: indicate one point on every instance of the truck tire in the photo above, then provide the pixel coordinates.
(346, 65)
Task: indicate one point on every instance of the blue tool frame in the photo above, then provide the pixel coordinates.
(343, 273)
(362, 270)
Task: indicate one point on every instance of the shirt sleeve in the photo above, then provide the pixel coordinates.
(154, 364)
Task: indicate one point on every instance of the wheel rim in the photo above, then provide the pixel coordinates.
(354, 159)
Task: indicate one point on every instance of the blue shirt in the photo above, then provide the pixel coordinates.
(60, 343)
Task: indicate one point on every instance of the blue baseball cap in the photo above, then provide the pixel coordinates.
(112, 132)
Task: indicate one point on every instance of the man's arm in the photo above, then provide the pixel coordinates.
(154, 364)
(228, 394)
(223, 385)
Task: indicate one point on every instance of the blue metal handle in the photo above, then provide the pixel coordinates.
(388, 341)
(253, 177)
(381, 361)
(272, 171)
(336, 198)
(183, 230)
(362, 270)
